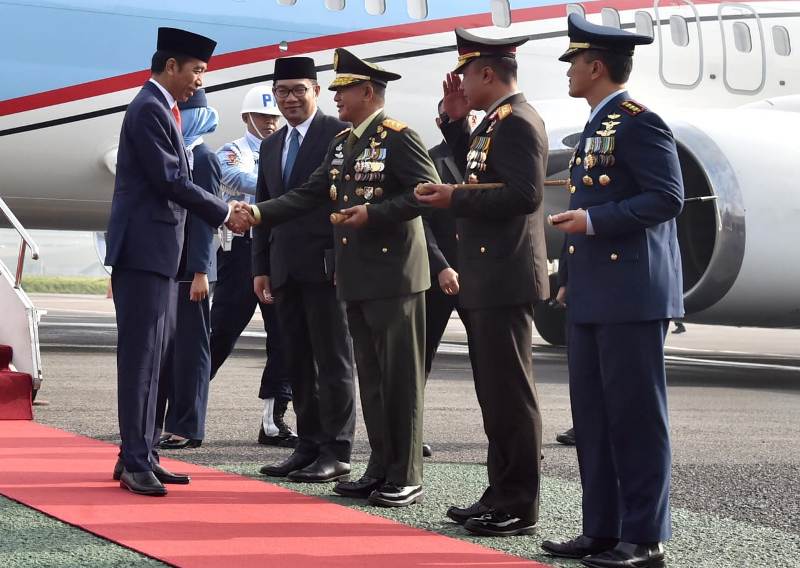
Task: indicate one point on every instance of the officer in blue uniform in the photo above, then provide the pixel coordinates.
(152, 191)
(622, 272)
(185, 392)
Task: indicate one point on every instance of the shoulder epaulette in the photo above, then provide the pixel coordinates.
(345, 131)
(503, 111)
(632, 107)
(393, 124)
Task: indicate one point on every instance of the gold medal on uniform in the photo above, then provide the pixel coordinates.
(332, 192)
(368, 192)
(587, 180)
(604, 179)
(379, 192)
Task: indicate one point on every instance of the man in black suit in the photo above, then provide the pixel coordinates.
(503, 268)
(152, 190)
(294, 261)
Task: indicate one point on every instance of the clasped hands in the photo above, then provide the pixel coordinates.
(240, 218)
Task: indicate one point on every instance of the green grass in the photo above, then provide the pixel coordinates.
(65, 284)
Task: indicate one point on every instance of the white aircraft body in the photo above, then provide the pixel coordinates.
(725, 76)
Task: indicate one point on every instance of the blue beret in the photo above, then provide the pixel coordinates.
(586, 35)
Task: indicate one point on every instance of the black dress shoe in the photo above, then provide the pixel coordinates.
(391, 495)
(567, 438)
(179, 444)
(322, 470)
(292, 463)
(281, 440)
(359, 489)
(427, 451)
(462, 514)
(118, 469)
(165, 476)
(579, 546)
(498, 523)
(142, 483)
(628, 555)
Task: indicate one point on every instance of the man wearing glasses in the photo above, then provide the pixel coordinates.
(293, 263)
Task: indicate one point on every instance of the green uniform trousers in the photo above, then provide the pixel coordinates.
(389, 344)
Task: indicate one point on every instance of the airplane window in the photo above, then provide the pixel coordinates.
(679, 30)
(741, 37)
(375, 7)
(501, 13)
(780, 37)
(287, 2)
(418, 9)
(576, 9)
(644, 23)
(334, 5)
(610, 17)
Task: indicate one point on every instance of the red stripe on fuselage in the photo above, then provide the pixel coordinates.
(322, 43)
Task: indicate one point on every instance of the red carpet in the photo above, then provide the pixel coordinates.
(219, 520)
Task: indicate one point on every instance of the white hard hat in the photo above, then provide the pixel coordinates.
(260, 100)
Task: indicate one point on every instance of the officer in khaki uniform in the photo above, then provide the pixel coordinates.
(381, 272)
(502, 270)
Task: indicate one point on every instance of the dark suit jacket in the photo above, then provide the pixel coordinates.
(630, 269)
(152, 187)
(296, 249)
(200, 251)
(501, 248)
(440, 224)
(387, 257)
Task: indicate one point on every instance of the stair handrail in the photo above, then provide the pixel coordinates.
(27, 241)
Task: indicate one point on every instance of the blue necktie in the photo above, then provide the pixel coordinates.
(291, 156)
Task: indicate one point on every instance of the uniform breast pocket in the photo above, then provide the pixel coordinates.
(605, 251)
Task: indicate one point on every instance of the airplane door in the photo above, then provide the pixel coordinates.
(680, 44)
(744, 54)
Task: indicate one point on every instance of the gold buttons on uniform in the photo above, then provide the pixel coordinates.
(345, 198)
(571, 249)
(587, 180)
(384, 250)
(483, 250)
(614, 256)
(578, 161)
(604, 179)
(344, 240)
(456, 236)
(347, 177)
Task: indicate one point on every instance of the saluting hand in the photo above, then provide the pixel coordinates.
(572, 221)
(357, 216)
(454, 103)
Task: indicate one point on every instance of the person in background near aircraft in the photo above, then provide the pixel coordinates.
(294, 261)
(184, 393)
(234, 300)
(381, 271)
(503, 267)
(152, 191)
(440, 234)
(623, 285)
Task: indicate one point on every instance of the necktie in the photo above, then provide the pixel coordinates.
(291, 155)
(177, 114)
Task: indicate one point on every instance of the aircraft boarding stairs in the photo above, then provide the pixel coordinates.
(20, 360)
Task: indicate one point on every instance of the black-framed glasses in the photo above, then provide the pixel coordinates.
(298, 91)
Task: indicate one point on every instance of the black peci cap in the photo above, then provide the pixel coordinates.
(350, 70)
(586, 35)
(295, 68)
(472, 47)
(197, 100)
(181, 42)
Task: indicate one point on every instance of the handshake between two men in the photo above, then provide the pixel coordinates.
(241, 217)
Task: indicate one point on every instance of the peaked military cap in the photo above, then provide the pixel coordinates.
(181, 42)
(295, 68)
(350, 70)
(197, 100)
(471, 47)
(586, 35)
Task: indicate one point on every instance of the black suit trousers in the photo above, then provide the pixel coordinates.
(145, 307)
(319, 356)
(232, 309)
(502, 366)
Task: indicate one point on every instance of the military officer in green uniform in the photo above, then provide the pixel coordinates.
(381, 270)
(502, 267)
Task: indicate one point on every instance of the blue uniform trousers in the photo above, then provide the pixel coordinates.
(145, 308)
(188, 376)
(619, 411)
(231, 311)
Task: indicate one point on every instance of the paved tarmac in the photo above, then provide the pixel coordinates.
(734, 400)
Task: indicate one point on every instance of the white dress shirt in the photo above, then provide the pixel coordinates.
(302, 129)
